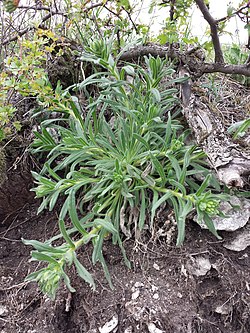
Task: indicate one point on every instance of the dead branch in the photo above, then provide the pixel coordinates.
(48, 9)
(227, 69)
(237, 12)
(191, 58)
(45, 18)
(24, 31)
(214, 31)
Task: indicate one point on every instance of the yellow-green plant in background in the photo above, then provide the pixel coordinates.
(25, 74)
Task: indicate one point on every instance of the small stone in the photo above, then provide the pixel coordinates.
(199, 266)
(138, 284)
(241, 241)
(245, 255)
(153, 329)
(3, 310)
(110, 325)
(156, 296)
(183, 270)
(223, 309)
(157, 267)
(135, 294)
(179, 295)
(136, 311)
(154, 288)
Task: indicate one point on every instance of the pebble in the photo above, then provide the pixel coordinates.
(110, 325)
(157, 267)
(156, 296)
(154, 288)
(136, 294)
(153, 329)
(3, 310)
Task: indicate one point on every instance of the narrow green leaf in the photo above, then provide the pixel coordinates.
(177, 185)
(42, 247)
(106, 224)
(181, 230)
(43, 257)
(67, 282)
(183, 210)
(98, 241)
(241, 130)
(73, 213)
(156, 94)
(53, 200)
(209, 223)
(142, 210)
(159, 169)
(64, 209)
(204, 185)
(156, 204)
(129, 70)
(52, 172)
(106, 271)
(34, 276)
(175, 165)
(65, 234)
(141, 139)
(83, 273)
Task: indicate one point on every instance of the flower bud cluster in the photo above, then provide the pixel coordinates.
(210, 207)
(118, 178)
(48, 280)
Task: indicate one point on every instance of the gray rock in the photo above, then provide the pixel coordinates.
(237, 216)
(240, 242)
(110, 325)
(199, 266)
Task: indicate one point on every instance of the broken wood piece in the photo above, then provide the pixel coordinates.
(230, 161)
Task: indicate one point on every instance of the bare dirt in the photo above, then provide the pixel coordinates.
(200, 287)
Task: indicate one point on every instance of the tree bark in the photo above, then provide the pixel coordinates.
(214, 30)
(227, 158)
(193, 59)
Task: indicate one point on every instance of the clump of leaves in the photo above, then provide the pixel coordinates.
(237, 55)
(10, 5)
(25, 74)
(106, 170)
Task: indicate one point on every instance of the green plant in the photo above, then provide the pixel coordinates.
(240, 128)
(10, 5)
(236, 54)
(25, 74)
(106, 170)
